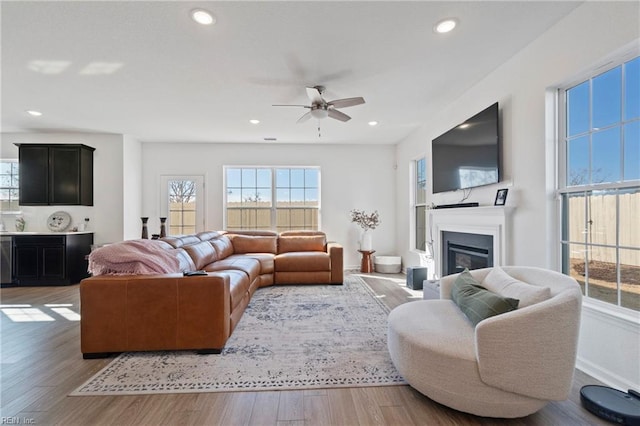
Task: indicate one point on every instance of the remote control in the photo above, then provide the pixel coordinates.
(194, 273)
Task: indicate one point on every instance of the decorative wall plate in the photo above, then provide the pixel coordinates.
(59, 221)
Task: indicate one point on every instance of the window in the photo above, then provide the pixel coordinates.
(599, 171)
(184, 205)
(297, 199)
(278, 198)
(9, 185)
(420, 197)
(249, 195)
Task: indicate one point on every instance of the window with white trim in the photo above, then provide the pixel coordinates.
(420, 204)
(182, 198)
(9, 185)
(272, 198)
(599, 183)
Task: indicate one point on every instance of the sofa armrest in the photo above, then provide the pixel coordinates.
(446, 282)
(154, 312)
(336, 257)
(532, 351)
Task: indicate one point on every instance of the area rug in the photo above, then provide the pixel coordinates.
(290, 337)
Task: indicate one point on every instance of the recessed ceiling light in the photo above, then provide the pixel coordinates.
(445, 25)
(254, 121)
(34, 113)
(203, 17)
(373, 123)
(464, 125)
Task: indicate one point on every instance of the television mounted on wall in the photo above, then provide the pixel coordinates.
(468, 155)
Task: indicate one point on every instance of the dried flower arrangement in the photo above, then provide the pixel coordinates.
(365, 220)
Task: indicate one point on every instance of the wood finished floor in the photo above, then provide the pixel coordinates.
(41, 364)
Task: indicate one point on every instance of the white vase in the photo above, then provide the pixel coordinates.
(366, 243)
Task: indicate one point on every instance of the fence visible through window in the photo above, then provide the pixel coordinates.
(599, 171)
(601, 244)
(182, 207)
(278, 198)
(9, 186)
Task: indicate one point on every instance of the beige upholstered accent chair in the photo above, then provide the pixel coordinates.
(509, 365)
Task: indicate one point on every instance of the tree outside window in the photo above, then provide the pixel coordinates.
(9, 186)
(182, 207)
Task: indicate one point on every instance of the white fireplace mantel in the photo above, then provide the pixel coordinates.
(490, 220)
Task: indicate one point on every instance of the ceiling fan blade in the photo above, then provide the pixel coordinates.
(288, 105)
(314, 95)
(304, 118)
(334, 113)
(347, 102)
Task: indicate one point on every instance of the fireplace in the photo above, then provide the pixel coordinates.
(480, 237)
(461, 250)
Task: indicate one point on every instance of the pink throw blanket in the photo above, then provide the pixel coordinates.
(141, 257)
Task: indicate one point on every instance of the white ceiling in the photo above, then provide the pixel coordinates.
(145, 69)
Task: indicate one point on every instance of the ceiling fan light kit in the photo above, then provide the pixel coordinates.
(319, 112)
(321, 109)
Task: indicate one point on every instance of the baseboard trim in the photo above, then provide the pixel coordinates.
(602, 329)
(605, 376)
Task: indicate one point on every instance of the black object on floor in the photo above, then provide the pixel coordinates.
(611, 404)
(415, 276)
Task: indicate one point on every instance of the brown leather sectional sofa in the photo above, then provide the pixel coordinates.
(122, 313)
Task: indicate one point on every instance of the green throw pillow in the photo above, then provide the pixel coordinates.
(476, 302)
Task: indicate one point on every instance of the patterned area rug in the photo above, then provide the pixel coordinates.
(290, 337)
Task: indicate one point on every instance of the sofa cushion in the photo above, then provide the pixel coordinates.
(253, 243)
(208, 235)
(498, 281)
(476, 302)
(180, 240)
(238, 287)
(300, 233)
(186, 263)
(172, 241)
(266, 261)
(294, 243)
(223, 246)
(201, 253)
(237, 262)
(305, 261)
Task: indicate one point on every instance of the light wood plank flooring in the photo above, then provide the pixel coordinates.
(42, 364)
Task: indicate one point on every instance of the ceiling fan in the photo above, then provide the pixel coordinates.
(320, 108)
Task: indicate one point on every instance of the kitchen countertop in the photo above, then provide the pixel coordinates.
(14, 233)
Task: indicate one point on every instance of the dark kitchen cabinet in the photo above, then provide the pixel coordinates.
(58, 174)
(50, 259)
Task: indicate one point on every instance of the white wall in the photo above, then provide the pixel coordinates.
(576, 43)
(106, 214)
(132, 184)
(352, 177)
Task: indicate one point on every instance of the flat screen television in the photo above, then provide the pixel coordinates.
(468, 155)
